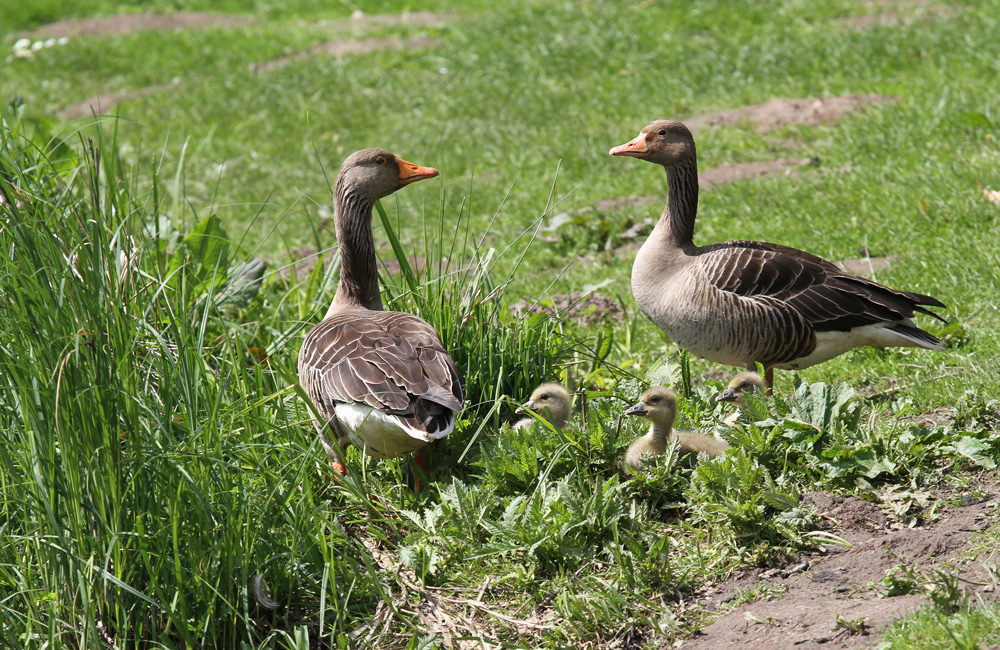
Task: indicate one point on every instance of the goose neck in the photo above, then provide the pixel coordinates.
(682, 203)
(358, 287)
(660, 431)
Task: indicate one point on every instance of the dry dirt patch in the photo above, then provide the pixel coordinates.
(866, 266)
(841, 583)
(767, 116)
(363, 46)
(892, 13)
(745, 170)
(101, 104)
(130, 23)
(778, 112)
(386, 20)
(707, 180)
(587, 308)
(343, 48)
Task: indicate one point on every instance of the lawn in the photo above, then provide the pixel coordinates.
(162, 486)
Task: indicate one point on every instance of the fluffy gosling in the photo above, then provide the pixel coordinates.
(740, 386)
(551, 401)
(659, 406)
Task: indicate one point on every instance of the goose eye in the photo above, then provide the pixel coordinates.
(380, 160)
(663, 132)
(545, 396)
(745, 385)
(654, 400)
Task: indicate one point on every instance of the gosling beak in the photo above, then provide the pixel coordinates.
(524, 408)
(637, 409)
(728, 395)
(410, 173)
(635, 147)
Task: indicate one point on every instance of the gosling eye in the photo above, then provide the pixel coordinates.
(654, 400)
(380, 160)
(662, 132)
(545, 396)
(745, 385)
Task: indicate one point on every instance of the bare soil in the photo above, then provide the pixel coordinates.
(363, 46)
(742, 171)
(845, 583)
(892, 13)
(131, 23)
(709, 179)
(767, 116)
(588, 309)
(384, 20)
(778, 112)
(866, 266)
(102, 104)
(344, 48)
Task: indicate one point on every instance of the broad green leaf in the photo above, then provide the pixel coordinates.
(975, 450)
(202, 259)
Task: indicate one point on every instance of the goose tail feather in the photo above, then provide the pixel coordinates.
(919, 337)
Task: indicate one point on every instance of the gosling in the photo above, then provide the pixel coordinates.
(659, 406)
(740, 386)
(551, 401)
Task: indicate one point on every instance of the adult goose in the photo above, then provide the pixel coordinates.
(551, 401)
(379, 379)
(659, 406)
(744, 302)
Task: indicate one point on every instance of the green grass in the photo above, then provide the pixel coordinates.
(151, 469)
(953, 618)
(966, 629)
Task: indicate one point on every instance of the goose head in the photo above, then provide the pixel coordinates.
(666, 142)
(376, 173)
(658, 405)
(552, 398)
(740, 386)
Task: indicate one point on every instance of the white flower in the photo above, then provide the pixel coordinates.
(37, 45)
(22, 48)
(50, 43)
(62, 41)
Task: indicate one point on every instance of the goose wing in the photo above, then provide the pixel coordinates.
(785, 297)
(828, 298)
(390, 361)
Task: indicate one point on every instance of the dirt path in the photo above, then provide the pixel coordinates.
(131, 23)
(778, 112)
(847, 582)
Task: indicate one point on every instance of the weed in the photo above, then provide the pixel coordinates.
(853, 626)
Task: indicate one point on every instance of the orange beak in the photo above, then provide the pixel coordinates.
(410, 173)
(635, 147)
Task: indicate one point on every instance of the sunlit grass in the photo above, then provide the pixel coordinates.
(153, 469)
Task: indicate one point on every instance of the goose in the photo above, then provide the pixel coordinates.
(379, 379)
(659, 406)
(740, 386)
(549, 400)
(744, 302)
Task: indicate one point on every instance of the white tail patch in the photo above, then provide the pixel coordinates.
(832, 344)
(382, 434)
